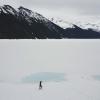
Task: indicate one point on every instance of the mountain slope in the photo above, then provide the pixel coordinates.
(25, 24)
(78, 30)
(84, 24)
(79, 33)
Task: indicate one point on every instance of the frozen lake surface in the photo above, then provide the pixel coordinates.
(79, 60)
(77, 87)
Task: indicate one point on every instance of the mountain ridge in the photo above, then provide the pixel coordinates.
(64, 23)
(26, 24)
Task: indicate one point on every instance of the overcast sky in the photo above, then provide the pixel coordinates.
(59, 8)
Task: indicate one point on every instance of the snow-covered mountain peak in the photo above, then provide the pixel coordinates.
(29, 14)
(64, 23)
(24, 11)
(2, 10)
(7, 9)
(89, 25)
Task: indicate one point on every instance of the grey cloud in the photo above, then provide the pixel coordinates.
(80, 6)
(60, 7)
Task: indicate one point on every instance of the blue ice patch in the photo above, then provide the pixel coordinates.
(44, 76)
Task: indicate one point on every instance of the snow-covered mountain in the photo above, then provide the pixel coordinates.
(23, 23)
(7, 9)
(64, 23)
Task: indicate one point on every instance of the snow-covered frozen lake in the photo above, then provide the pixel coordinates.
(75, 88)
(79, 60)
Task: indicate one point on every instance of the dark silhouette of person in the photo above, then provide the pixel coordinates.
(40, 85)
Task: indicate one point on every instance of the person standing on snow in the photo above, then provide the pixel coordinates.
(40, 85)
